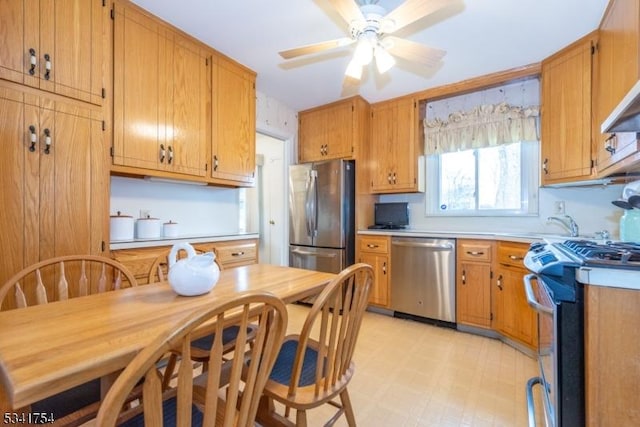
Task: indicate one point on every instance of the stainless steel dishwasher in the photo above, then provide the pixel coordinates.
(423, 277)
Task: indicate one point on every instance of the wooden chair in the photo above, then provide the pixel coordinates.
(227, 394)
(310, 372)
(200, 347)
(61, 278)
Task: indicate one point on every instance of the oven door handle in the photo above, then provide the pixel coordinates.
(531, 298)
(531, 409)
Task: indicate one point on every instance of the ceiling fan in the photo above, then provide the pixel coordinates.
(370, 27)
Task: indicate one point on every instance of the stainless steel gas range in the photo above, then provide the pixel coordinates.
(555, 289)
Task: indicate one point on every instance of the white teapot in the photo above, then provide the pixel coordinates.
(194, 275)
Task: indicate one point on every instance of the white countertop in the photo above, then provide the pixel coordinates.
(516, 236)
(148, 243)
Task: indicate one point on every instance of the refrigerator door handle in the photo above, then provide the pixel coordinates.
(315, 254)
(311, 207)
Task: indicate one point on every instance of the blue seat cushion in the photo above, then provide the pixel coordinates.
(282, 369)
(169, 409)
(69, 401)
(229, 334)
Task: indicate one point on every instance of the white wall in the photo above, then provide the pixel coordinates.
(590, 206)
(202, 210)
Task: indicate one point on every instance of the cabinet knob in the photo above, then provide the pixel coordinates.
(499, 282)
(545, 166)
(33, 138)
(33, 61)
(372, 246)
(464, 277)
(47, 66)
(237, 253)
(516, 257)
(384, 268)
(215, 162)
(162, 153)
(170, 159)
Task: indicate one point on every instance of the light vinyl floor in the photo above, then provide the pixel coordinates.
(413, 374)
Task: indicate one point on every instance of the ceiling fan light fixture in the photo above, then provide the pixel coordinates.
(364, 51)
(384, 60)
(354, 69)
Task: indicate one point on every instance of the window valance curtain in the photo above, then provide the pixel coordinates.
(486, 125)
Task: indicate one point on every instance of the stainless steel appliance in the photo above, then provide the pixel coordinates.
(423, 278)
(321, 215)
(555, 289)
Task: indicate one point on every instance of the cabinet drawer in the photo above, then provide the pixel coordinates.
(510, 253)
(233, 254)
(374, 244)
(475, 251)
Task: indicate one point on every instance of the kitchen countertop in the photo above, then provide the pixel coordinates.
(515, 236)
(148, 243)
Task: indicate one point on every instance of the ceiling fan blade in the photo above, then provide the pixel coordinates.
(316, 47)
(412, 51)
(412, 10)
(348, 9)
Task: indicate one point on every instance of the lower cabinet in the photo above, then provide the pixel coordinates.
(374, 250)
(512, 315)
(473, 283)
(612, 386)
(230, 254)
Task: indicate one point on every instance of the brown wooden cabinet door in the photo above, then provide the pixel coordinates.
(63, 39)
(473, 298)
(380, 263)
(618, 69)
(566, 114)
(312, 136)
(394, 147)
(327, 132)
(50, 192)
(189, 100)
(65, 180)
(138, 120)
(513, 316)
(16, 164)
(234, 121)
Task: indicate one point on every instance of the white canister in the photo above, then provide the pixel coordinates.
(170, 229)
(148, 228)
(121, 227)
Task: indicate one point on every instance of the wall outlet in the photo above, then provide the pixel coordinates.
(558, 208)
(145, 213)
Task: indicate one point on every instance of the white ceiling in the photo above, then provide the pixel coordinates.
(480, 37)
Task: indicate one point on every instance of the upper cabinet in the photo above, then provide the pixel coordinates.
(395, 146)
(233, 146)
(566, 113)
(162, 96)
(618, 69)
(331, 131)
(57, 46)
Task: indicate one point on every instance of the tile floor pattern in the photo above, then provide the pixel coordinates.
(416, 375)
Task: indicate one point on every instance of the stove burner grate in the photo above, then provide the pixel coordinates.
(610, 253)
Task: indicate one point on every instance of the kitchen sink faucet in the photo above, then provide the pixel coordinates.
(568, 223)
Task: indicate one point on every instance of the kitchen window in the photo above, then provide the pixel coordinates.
(482, 152)
(491, 181)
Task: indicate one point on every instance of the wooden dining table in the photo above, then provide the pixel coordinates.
(50, 348)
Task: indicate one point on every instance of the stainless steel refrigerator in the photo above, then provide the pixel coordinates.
(321, 215)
